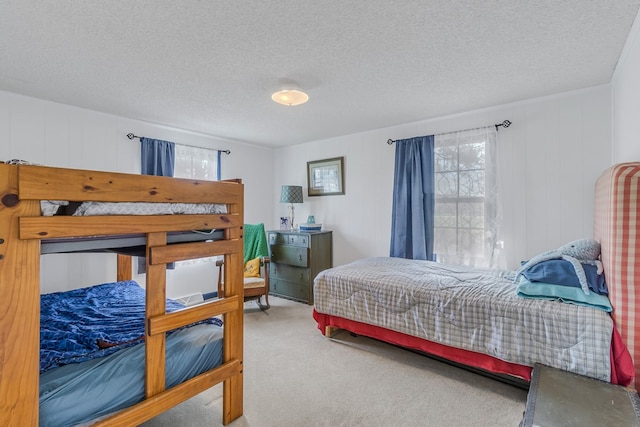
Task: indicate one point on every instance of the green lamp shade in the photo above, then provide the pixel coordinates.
(291, 194)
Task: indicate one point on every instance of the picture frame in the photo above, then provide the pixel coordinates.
(285, 223)
(325, 177)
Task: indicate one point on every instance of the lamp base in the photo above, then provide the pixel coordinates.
(292, 211)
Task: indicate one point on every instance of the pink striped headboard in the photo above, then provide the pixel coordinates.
(617, 227)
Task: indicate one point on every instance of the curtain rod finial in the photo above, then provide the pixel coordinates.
(504, 124)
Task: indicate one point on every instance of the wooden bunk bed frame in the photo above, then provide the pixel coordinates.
(22, 228)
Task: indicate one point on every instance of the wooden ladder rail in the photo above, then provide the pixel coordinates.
(19, 307)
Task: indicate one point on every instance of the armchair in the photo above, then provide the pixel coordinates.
(256, 266)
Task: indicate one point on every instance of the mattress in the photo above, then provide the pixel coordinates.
(467, 308)
(125, 244)
(129, 244)
(92, 351)
(52, 207)
(82, 392)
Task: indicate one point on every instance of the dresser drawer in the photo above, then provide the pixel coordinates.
(288, 272)
(289, 239)
(293, 290)
(291, 255)
(298, 240)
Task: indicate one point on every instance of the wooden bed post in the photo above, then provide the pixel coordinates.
(233, 347)
(124, 267)
(329, 331)
(156, 294)
(19, 307)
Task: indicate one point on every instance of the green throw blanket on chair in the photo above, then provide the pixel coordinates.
(255, 242)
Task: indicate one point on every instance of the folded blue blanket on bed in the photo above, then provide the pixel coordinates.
(567, 294)
(86, 323)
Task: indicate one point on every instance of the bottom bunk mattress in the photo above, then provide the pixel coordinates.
(468, 314)
(92, 355)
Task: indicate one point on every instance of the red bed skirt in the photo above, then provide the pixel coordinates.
(621, 364)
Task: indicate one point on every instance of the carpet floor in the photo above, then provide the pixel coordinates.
(294, 376)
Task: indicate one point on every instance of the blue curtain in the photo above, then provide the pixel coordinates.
(158, 158)
(413, 199)
(218, 172)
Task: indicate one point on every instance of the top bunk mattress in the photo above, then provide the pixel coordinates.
(130, 244)
(58, 207)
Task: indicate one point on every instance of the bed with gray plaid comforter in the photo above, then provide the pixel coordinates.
(468, 308)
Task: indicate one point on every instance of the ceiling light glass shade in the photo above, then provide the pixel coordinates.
(291, 194)
(290, 97)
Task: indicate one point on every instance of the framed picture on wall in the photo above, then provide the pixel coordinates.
(325, 177)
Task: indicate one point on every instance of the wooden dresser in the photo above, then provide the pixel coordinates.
(296, 259)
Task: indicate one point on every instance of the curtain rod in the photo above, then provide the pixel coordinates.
(131, 136)
(505, 124)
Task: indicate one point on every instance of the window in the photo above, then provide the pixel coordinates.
(466, 210)
(197, 163)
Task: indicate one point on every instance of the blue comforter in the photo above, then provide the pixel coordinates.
(92, 322)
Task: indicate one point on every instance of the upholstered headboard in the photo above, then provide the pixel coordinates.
(617, 227)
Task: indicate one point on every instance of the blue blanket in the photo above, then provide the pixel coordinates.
(92, 322)
(567, 294)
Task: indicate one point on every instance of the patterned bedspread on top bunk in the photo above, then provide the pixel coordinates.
(93, 322)
(63, 207)
(472, 309)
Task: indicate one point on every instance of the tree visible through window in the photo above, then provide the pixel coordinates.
(466, 210)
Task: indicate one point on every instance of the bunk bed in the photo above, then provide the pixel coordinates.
(474, 317)
(24, 232)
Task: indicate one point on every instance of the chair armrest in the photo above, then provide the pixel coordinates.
(220, 264)
(265, 272)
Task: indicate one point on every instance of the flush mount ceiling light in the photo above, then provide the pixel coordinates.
(290, 97)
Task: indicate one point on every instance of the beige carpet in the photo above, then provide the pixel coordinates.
(294, 377)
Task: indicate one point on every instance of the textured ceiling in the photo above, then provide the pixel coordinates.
(211, 66)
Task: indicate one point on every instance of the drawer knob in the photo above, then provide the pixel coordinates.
(299, 257)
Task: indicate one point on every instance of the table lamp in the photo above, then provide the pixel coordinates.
(291, 194)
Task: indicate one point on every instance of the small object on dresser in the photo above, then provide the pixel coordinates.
(310, 227)
(285, 223)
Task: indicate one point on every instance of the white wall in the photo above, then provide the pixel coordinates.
(54, 134)
(626, 99)
(550, 158)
